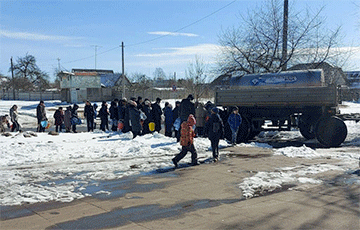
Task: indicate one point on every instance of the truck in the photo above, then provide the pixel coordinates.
(283, 101)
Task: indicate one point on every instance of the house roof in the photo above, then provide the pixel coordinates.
(97, 71)
(332, 74)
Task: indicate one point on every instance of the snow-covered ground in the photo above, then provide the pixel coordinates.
(71, 166)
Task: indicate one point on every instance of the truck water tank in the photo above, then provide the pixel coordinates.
(298, 78)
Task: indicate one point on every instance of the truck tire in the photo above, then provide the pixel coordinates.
(307, 127)
(244, 131)
(331, 131)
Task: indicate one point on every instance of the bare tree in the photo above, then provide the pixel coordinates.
(196, 78)
(28, 74)
(159, 74)
(256, 45)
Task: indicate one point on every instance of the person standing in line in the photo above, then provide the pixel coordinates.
(103, 114)
(14, 118)
(215, 131)
(147, 110)
(41, 116)
(200, 114)
(74, 117)
(59, 119)
(234, 122)
(156, 114)
(175, 116)
(114, 115)
(187, 142)
(134, 115)
(139, 103)
(89, 115)
(187, 107)
(95, 106)
(168, 113)
(67, 119)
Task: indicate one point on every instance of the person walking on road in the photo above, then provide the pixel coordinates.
(187, 142)
(215, 131)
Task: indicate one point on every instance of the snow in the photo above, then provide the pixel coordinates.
(70, 166)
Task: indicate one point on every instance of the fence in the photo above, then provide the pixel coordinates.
(30, 96)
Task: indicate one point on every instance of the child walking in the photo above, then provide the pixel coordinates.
(187, 141)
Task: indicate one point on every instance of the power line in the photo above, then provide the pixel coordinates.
(193, 23)
(159, 37)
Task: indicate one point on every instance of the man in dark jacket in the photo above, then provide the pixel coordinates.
(41, 116)
(186, 108)
(156, 114)
(114, 115)
(103, 114)
(215, 130)
(134, 115)
(175, 116)
(89, 114)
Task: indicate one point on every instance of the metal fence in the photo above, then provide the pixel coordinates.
(30, 96)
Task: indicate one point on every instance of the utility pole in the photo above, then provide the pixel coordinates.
(96, 46)
(59, 64)
(12, 75)
(122, 73)
(285, 31)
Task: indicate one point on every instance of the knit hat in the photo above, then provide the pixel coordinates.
(191, 120)
(215, 110)
(132, 103)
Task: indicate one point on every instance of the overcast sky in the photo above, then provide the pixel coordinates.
(165, 34)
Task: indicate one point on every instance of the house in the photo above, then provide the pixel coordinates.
(333, 75)
(80, 85)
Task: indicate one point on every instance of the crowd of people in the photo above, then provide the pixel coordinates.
(186, 121)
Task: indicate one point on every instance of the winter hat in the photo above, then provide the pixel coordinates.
(132, 103)
(190, 97)
(215, 110)
(191, 120)
(95, 105)
(147, 102)
(158, 99)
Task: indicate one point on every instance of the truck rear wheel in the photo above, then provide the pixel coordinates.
(331, 131)
(307, 126)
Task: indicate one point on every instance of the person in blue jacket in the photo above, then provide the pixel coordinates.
(234, 121)
(168, 113)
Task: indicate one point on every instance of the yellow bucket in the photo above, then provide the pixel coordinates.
(152, 126)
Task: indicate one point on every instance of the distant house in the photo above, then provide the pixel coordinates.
(80, 85)
(353, 78)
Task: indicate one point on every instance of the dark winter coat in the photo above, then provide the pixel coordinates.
(214, 128)
(156, 115)
(134, 115)
(114, 111)
(103, 113)
(40, 113)
(186, 108)
(89, 112)
(168, 113)
(176, 113)
(59, 117)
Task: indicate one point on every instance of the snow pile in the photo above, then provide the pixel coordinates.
(255, 144)
(266, 182)
(301, 152)
(61, 168)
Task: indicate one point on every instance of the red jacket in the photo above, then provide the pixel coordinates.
(187, 132)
